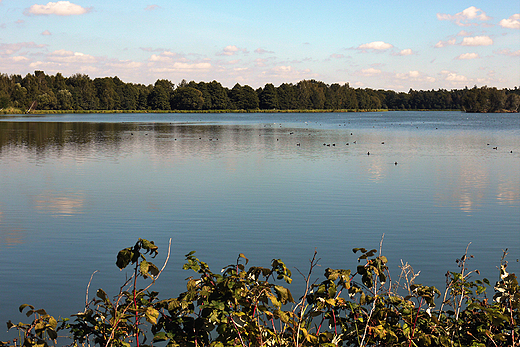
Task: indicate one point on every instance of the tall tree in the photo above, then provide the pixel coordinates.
(244, 98)
(268, 98)
(159, 98)
(187, 98)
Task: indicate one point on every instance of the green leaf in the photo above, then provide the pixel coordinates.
(124, 257)
(102, 295)
(149, 246)
(161, 336)
(52, 333)
(154, 271)
(284, 295)
(151, 315)
(143, 268)
(241, 255)
(24, 306)
(52, 322)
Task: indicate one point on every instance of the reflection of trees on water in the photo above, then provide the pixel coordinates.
(52, 138)
(45, 137)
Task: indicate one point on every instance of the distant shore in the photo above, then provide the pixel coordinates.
(12, 111)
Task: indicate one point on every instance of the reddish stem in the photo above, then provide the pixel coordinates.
(415, 322)
(136, 314)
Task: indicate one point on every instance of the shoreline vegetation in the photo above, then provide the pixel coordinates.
(245, 305)
(40, 93)
(12, 111)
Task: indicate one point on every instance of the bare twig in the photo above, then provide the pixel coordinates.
(300, 304)
(88, 286)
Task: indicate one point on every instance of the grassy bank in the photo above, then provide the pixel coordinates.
(44, 112)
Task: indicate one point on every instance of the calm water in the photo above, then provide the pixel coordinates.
(75, 189)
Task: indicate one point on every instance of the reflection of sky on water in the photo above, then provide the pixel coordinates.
(59, 204)
(264, 189)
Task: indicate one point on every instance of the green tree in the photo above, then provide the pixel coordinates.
(243, 98)
(64, 99)
(4, 101)
(187, 98)
(287, 96)
(497, 100)
(47, 101)
(159, 98)
(512, 102)
(107, 94)
(143, 97)
(219, 96)
(83, 92)
(268, 98)
(19, 97)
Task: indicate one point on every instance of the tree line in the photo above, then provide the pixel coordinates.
(80, 92)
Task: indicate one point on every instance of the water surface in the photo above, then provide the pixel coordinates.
(75, 189)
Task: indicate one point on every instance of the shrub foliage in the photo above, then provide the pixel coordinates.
(250, 306)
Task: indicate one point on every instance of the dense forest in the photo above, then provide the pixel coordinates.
(78, 92)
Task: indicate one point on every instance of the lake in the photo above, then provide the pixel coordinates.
(76, 189)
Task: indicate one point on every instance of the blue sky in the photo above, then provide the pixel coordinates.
(376, 44)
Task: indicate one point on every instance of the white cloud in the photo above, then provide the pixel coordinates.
(467, 56)
(231, 50)
(370, 72)
(462, 18)
(11, 48)
(376, 45)
(508, 52)
(282, 69)
(60, 8)
(150, 49)
(406, 51)
(158, 58)
(19, 59)
(463, 33)
(512, 22)
(285, 74)
(152, 7)
(193, 66)
(477, 41)
(414, 75)
(260, 62)
(125, 64)
(46, 33)
(63, 56)
(441, 44)
(453, 77)
(262, 51)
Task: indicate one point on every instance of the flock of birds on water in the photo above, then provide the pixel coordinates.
(298, 144)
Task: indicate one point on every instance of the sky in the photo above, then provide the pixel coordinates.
(397, 45)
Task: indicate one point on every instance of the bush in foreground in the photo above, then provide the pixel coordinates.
(249, 306)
